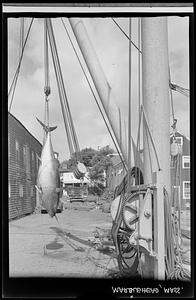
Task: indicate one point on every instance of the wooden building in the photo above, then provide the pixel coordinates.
(180, 171)
(23, 162)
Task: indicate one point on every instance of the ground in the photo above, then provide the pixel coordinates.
(40, 246)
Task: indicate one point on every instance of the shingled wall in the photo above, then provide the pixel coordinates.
(23, 152)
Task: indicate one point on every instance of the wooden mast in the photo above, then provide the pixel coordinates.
(100, 81)
(155, 84)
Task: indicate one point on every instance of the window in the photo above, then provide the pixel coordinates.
(9, 189)
(17, 151)
(37, 161)
(9, 150)
(173, 161)
(24, 155)
(20, 190)
(186, 189)
(33, 158)
(32, 191)
(27, 154)
(186, 162)
(179, 140)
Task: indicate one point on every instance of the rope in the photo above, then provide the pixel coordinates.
(177, 88)
(150, 158)
(115, 144)
(129, 109)
(61, 88)
(174, 258)
(126, 35)
(138, 139)
(46, 61)
(15, 78)
(171, 95)
(21, 37)
(150, 134)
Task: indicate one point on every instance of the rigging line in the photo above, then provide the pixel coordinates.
(21, 36)
(115, 144)
(129, 108)
(63, 107)
(15, 78)
(148, 144)
(139, 90)
(70, 121)
(174, 86)
(46, 61)
(171, 95)
(126, 35)
(148, 128)
(183, 91)
(62, 94)
(62, 102)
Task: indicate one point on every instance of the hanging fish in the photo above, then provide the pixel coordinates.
(48, 179)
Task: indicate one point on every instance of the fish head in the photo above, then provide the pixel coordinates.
(50, 202)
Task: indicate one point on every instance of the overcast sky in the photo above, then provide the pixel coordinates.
(112, 49)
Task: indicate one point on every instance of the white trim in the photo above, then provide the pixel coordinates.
(184, 157)
(183, 190)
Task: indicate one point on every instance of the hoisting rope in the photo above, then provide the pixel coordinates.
(62, 95)
(70, 131)
(47, 89)
(96, 100)
(15, 78)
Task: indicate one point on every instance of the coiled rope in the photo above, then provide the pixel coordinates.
(174, 256)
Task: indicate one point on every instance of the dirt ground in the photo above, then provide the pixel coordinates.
(39, 246)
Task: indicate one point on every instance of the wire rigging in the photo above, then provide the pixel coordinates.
(177, 88)
(115, 144)
(126, 35)
(15, 78)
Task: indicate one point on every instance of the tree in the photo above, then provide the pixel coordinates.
(97, 161)
(100, 165)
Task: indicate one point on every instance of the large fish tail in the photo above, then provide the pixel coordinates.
(46, 128)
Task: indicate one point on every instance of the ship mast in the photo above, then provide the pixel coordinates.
(155, 85)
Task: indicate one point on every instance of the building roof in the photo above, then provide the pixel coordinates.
(69, 177)
(12, 116)
(180, 134)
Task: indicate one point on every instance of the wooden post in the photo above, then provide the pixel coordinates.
(155, 84)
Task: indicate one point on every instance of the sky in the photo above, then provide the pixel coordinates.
(112, 50)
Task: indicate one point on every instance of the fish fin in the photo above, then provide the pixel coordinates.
(46, 128)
